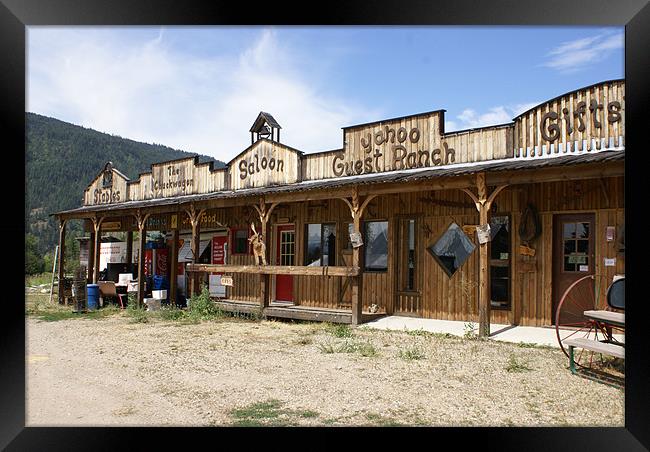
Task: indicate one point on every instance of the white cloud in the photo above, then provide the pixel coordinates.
(502, 114)
(575, 55)
(146, 91)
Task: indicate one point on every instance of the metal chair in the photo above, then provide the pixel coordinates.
(107, 289)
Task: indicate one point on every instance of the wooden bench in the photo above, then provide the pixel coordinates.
(617, 351)
(609, 317)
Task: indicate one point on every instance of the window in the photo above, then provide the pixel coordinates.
(406, 253)
(376, 246)
(320, 244)
(500, 262)
(240, 244)
(452, 249)
(576, 246)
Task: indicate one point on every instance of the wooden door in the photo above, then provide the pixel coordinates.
(285, 253)
(573, 255)
(408, 264)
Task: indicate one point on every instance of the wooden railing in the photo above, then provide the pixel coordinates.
(275, 269)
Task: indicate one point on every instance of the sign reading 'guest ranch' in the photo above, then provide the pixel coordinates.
(585, 120)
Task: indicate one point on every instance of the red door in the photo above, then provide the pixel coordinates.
(573, 257)
(285, 252)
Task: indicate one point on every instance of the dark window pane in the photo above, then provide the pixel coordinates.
(452, 249)
(583, 246)
(376, 245)
(499, 291)
(569, 246)
(313, 244)
(569, 230)
(569, 267)
(410, 280)
(329, 244)
(241, 241)
(500, 236)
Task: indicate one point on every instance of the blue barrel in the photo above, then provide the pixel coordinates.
(93, 296)
(160, 282)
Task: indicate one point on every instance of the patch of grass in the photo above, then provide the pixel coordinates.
(383, 421)
(340, 330)
(269, 413)
(411, 354)
(38, 280)
(56, 312)
(202, 307)
(418, 332)
(514, 365)
(171, 313)
(367, 349)
(527, 345)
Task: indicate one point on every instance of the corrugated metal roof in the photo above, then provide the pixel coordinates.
(375, 178)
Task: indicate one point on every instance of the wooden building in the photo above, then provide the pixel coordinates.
(396, 220)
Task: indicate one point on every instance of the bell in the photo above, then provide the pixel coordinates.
(264, 131)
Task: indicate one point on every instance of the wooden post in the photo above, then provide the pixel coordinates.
(61, 262)
(483, 204)
(195, 221)
(142, 231)
(129, 247)
(356, 210)
(265, 279)
(97, 225)
(173, 258)
(91, 257)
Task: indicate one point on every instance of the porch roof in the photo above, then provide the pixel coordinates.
(409, 175)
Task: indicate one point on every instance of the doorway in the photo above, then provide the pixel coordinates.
(285, 253)
(573, 256)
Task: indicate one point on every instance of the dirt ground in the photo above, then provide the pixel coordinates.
(112, 371)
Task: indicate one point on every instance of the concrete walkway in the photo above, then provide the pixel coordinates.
(506, 333)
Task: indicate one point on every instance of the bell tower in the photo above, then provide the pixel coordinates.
(265, 126)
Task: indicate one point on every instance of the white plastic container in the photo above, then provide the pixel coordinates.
(159, 294)
(124, 279)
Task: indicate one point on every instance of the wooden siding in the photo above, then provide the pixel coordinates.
(528, 138)
(96, 194)
(381, 147)
(266, 163)
(441, 296)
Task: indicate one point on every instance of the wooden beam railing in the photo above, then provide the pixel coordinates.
(275, 269)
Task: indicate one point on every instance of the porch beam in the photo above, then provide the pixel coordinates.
(483, 203)
(141, 220)
(174, 268)
(61, 261)
(97, 226)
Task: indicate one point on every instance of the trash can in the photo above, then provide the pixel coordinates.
(93, 296)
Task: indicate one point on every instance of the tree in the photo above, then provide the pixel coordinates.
(33, 260)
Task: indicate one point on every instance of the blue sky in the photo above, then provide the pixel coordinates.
(200, 88)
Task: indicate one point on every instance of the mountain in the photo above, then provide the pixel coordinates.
(61, 159)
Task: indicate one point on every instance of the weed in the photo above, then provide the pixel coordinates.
(527, 345)
(411, 354)
(516, 366)
(171, 313)
(202, 307)
(340, 330)
(327, 348)
(418, 332)
(382, 421)
(470, 332)
(367, 349)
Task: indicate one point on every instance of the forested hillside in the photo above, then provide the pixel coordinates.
(61, 159)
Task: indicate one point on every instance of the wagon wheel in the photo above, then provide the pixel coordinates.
(570, 322)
